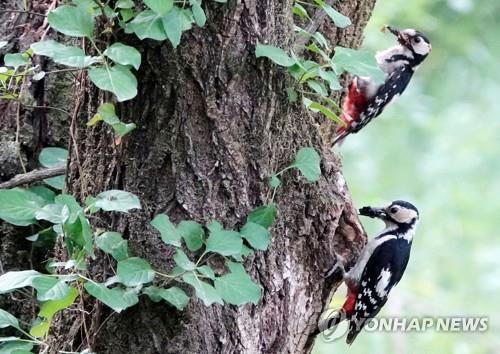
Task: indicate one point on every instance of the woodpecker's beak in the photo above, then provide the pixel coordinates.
(372, 212)
(402, 38)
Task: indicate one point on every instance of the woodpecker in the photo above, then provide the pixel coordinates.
(366, 99)
(378, 269)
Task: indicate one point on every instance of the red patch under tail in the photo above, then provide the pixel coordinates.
(352, 107)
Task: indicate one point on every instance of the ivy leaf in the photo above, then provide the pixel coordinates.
(192, 233)
(174, 296)
(172, 23)
(117, 79)
(198, 13)
(224, 242)
(276, 54)
(161, 7)
(331, 78)
(204, 291)
(17, 347)
(134, 271)
(147, 24)
(50, 288)
(72, 21)
(256, 235)
(50, 308)
(169, 234)
(183, 261)
(43, 192)
(106, 112)
(237, 287)
(357, 62)
(337, 18)
(263, 215)
(113, 244)
(18, 206)
(300, 11)
(317, 87)
(79, 233)
(15, 60)
(53, 157)
(117, 200)
(61, 54)
(206, 271)
(307, 161)
(7, 320)
(124, 54)
(124, 4)
(274, 181)
(54, 213)
(118, 299)
(70, 202)
(318, 107)
(17, 279)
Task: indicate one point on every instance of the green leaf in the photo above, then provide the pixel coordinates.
(237, 287)
(117, 200)
(18, 206)
(116, 79)
(7, 320)
(134, 271)
(198, 13)
(55, 182)
(174, 295)
(17, 279)
(106, 112)
(113, 244)
(50, 288)
(318, 107)
(50, 308)
(124, 54)
(55, 213)
(300, 11)
(308, 162)
(331, 78)
(124, 4)
(192, 233)
(160, 7)
(256, 235)
(276, 54)
(172, 23)
(263, 215)
(147, 24)
(53, 157)
(70, 202)
(292, 94)
(274, 181)
(79, 233)
(15, 60)
(337, 18)
(206, 271)
(357, 62)
(318, 87)
(117, 298)
(16, 347)
(72, 21)
(183, 261)
(61, 54)
(169, 234)
(204, 291)
(43, 192)
(224, 242)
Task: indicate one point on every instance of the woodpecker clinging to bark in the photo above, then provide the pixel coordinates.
(378, 269)
(366, 99)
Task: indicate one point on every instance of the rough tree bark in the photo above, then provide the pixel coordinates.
(213, 124)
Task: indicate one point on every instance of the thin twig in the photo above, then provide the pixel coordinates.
(33, 176)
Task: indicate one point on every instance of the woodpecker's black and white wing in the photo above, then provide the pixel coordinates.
(394, 86)
(382, 272)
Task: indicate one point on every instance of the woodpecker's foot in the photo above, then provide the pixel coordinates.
(338, 267)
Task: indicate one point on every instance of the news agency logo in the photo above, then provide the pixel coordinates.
(332, 329)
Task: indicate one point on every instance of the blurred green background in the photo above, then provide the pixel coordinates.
(438, 146)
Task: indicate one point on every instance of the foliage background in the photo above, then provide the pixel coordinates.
(438, 146)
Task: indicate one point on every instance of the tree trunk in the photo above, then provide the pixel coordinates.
(213, 124)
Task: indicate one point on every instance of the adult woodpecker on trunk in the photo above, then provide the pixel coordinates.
(379, 268)
(366, 99)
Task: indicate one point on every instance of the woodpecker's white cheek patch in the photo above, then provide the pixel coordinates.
(383, 282)
(422, 47)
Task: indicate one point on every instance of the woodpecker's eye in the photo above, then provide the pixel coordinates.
(393, 210)
(417, 39)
